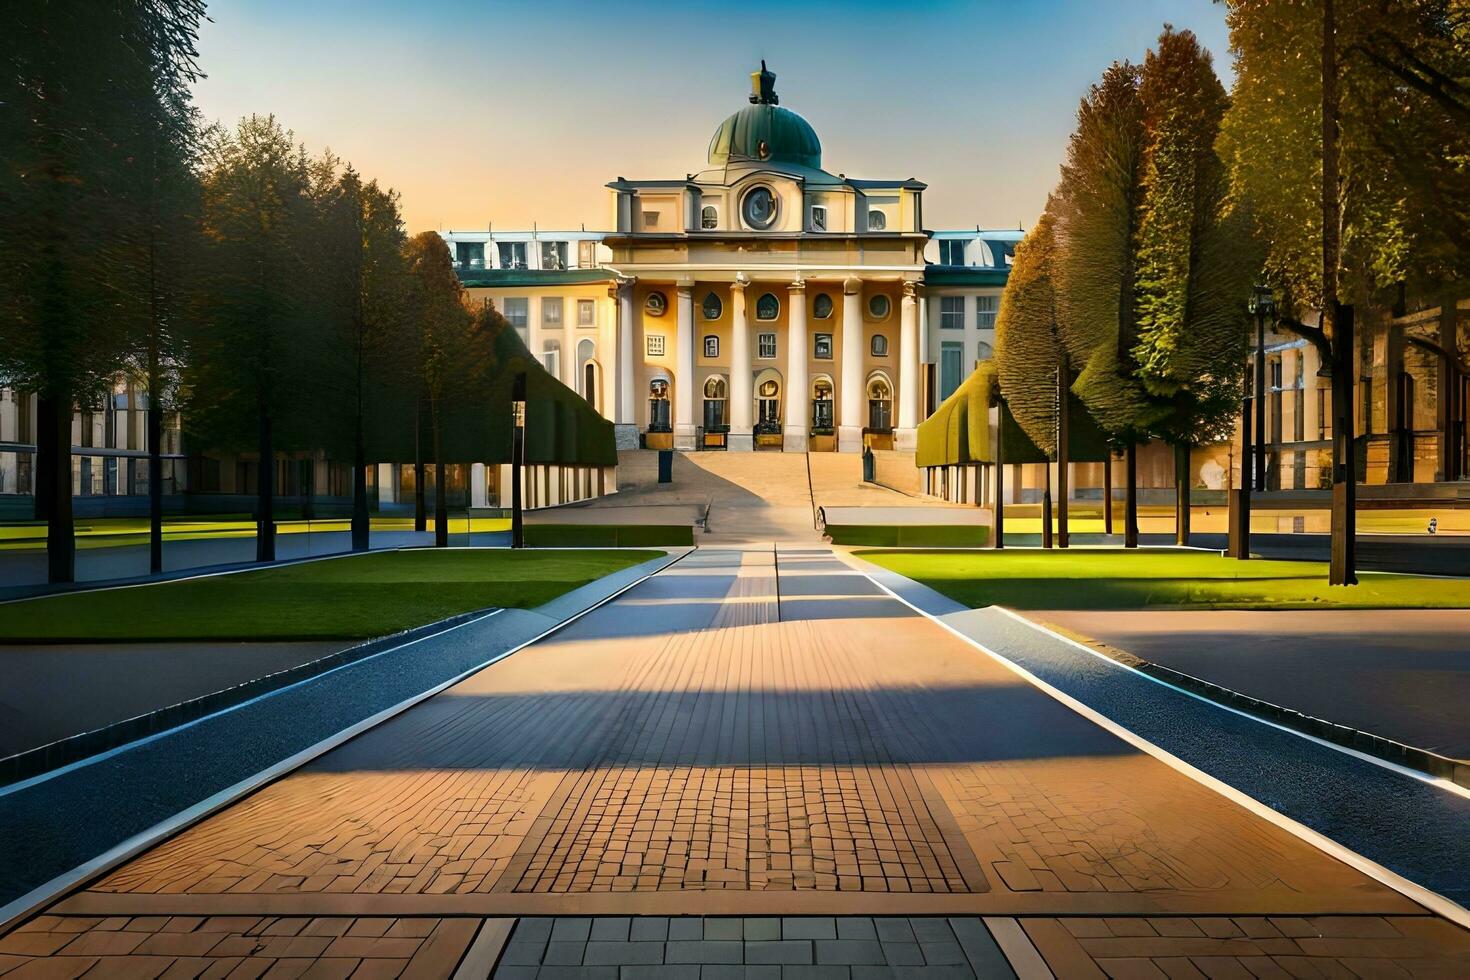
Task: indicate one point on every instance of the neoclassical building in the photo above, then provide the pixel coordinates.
(762, 302)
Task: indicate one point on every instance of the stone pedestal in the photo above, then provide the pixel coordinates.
(905, 440)
(684, 437)
(794, 439)
(849, 439)
(740, 442)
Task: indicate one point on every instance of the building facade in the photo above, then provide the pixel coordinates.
(762, 302)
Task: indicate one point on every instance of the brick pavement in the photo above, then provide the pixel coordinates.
(717, 742)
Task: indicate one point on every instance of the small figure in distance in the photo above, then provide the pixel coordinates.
(1433, 525)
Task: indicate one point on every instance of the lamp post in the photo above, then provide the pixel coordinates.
(1263, 306)
(517, 457)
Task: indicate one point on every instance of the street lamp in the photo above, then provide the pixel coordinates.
(1262, 306)
(517, 458)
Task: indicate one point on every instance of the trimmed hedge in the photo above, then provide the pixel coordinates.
(910, 535)
(608, 535)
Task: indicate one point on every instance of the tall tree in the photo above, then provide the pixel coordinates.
(1351, 161)
(1028, 349)
(1193, 261)
(251, 374)
(1095, 272)
(361, 272)
(451, 353)
(83, 85)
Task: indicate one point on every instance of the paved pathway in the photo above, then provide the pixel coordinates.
(1403, 674)
(727, 741)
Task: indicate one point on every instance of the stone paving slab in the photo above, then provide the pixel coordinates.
(750, 786)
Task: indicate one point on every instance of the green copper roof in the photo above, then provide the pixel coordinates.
(532, 277)
(765, 133)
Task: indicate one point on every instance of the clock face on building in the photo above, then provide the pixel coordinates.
(759, 208)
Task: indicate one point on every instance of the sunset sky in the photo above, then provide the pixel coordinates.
(513, 113)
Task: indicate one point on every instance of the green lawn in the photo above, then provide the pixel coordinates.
(1114, 579)
(112, 532)
(353, 597)
(608, 535)
(909, 535)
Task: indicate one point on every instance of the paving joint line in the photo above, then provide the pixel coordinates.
(63, 884)
(1432, 900)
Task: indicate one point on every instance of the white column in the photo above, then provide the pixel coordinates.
(850, 419)
(798, 395)
(684, 382)
(904, 438)
(742, 380)
(626, 427)
(477, 485)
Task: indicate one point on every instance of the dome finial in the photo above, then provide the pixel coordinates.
(763, 86)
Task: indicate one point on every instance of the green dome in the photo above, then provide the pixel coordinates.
(765, 133)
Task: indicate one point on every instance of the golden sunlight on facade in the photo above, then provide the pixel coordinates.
(761, 303)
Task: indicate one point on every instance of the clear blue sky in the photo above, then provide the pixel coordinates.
(515, 112)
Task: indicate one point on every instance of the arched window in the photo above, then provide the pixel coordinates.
(709, 218)
(767, 403)
(878, 346)
(822, 307)
(658, 406)
(768, 307)
(586, 359)
(878, 307)
(822, 402)
(880, 403)
(715, 397)
(712, 307)
(877, 220)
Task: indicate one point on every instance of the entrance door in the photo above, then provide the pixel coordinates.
(951, 368)
(768, 408)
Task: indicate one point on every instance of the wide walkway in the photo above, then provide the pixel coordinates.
(762, 737)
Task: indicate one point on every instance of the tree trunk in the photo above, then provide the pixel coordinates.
(1343, 567)
(419, 521)
(265, 495)
(1000, 480)
(155, 465)
(1181, 495)
(1046, 530)
(1130, 498)
(1339, 318)
(1108, 494)
(1064, 381)
(441, 506)
(360, 525)
(61, 545)
(43, 465)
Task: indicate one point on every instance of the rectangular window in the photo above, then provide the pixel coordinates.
(517, 311)
(712, 346)
(951, 368)
(985, 309)
(952, 312)
(766, 346)
(819, 218)
(952, 251)
(655, 345)
(650, 220)
(822, 346)
(551, 311)
(586, 313)
(553, 255)
(469, 255)
(551, 360)
(512, 255)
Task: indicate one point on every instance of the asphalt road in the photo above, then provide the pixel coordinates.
(1403, 674)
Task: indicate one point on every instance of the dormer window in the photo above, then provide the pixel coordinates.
(709, 218)
(819, 218)
(877, 220)
(952, 251)
(512, 255)
(553, 255)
